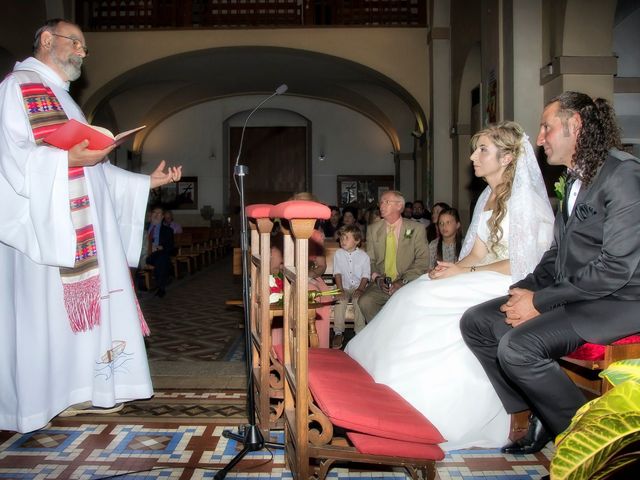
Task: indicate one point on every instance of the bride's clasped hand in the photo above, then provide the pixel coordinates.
(445, 270)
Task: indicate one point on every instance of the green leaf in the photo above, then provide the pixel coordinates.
(616, 464)
(604, 427)
(619, 372)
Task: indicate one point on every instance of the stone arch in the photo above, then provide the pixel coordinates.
(349, 84)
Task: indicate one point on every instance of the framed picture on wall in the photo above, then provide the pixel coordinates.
(182, 195)
(186, 193)
(362, 191)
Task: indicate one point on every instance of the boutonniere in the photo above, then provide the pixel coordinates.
(560, 187)
(408, 233)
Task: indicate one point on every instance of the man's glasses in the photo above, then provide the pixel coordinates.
(387, 202)
(77, 44)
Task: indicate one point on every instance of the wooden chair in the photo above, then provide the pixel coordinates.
(186, 252)
(201, 243)
(267, 372)
(312, 444)
(218, 242)
(146, 274)
(584, 365)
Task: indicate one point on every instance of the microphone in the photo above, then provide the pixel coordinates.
(279, 91)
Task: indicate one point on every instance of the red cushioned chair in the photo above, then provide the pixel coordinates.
(584, 365)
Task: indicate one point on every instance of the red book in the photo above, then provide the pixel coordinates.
(73, 132)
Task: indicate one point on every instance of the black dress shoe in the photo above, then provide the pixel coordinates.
(534, 441)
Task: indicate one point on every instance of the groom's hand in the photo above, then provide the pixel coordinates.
(519, 308)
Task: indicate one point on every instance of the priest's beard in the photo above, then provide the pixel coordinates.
(71, 66)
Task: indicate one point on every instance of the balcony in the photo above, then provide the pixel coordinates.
(100, 15)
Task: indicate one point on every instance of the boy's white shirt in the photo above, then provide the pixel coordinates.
(352, 267)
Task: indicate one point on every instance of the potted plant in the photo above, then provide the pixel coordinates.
(603, 439)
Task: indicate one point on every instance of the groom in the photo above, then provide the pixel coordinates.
(586, 287)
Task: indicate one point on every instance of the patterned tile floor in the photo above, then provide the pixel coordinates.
(87, 449)
(195, 354)
(98, 449)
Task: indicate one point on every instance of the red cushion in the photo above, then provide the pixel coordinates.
(300, 209)
(394, 448)
(330, 362)
(259, 210)
(279, 352)
(347, 394)
(592, 351)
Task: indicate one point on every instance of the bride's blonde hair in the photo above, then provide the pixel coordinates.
(507, 137)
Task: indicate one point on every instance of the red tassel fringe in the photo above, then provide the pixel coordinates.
(82, 302)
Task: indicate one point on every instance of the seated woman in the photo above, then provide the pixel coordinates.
(448, 245)
(414, 344)
(432, 230)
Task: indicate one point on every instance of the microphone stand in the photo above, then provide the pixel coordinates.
(251, 437)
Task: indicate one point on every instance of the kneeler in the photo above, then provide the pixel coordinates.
(334, 411)
(267, 381)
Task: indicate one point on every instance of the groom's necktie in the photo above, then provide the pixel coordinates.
(390, 253)
(567, 194)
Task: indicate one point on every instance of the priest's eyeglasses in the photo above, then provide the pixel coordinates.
(77, 44)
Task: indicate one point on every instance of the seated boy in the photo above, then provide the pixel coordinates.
(351, 271)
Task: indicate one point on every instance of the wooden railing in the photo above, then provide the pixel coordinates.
(96, 15)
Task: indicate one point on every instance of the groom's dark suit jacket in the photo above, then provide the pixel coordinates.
(593, 265)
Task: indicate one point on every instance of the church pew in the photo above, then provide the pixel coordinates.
(267, 371)
(334, 411)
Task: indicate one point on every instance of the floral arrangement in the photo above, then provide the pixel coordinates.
(276, 286)
(560, 187)
(408, 233)
(276, 290)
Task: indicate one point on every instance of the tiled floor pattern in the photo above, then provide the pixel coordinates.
(84, 449)
(177, 406)
(192, 323)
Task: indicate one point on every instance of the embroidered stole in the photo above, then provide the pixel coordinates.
(81, 283)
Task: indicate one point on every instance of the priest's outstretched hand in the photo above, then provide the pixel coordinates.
(160, 176)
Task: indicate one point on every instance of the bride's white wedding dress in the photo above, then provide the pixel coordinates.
(414, 346)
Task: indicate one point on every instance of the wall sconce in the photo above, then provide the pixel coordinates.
(322, 147)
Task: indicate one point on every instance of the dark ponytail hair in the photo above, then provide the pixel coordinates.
(598, 133)
(454, 213)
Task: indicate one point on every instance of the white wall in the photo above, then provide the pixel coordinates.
(528, 94)
(352, 144)
(626, 38)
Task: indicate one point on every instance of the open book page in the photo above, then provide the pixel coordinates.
(73, 132)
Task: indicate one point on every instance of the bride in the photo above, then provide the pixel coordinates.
(414, 344)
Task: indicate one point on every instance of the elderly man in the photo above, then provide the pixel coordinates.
(72, 225)
(398, 250)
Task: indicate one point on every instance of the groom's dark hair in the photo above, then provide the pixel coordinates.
(598, 133)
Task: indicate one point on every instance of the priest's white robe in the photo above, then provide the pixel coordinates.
(44, 366)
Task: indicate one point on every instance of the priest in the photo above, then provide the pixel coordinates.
(71, 226)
